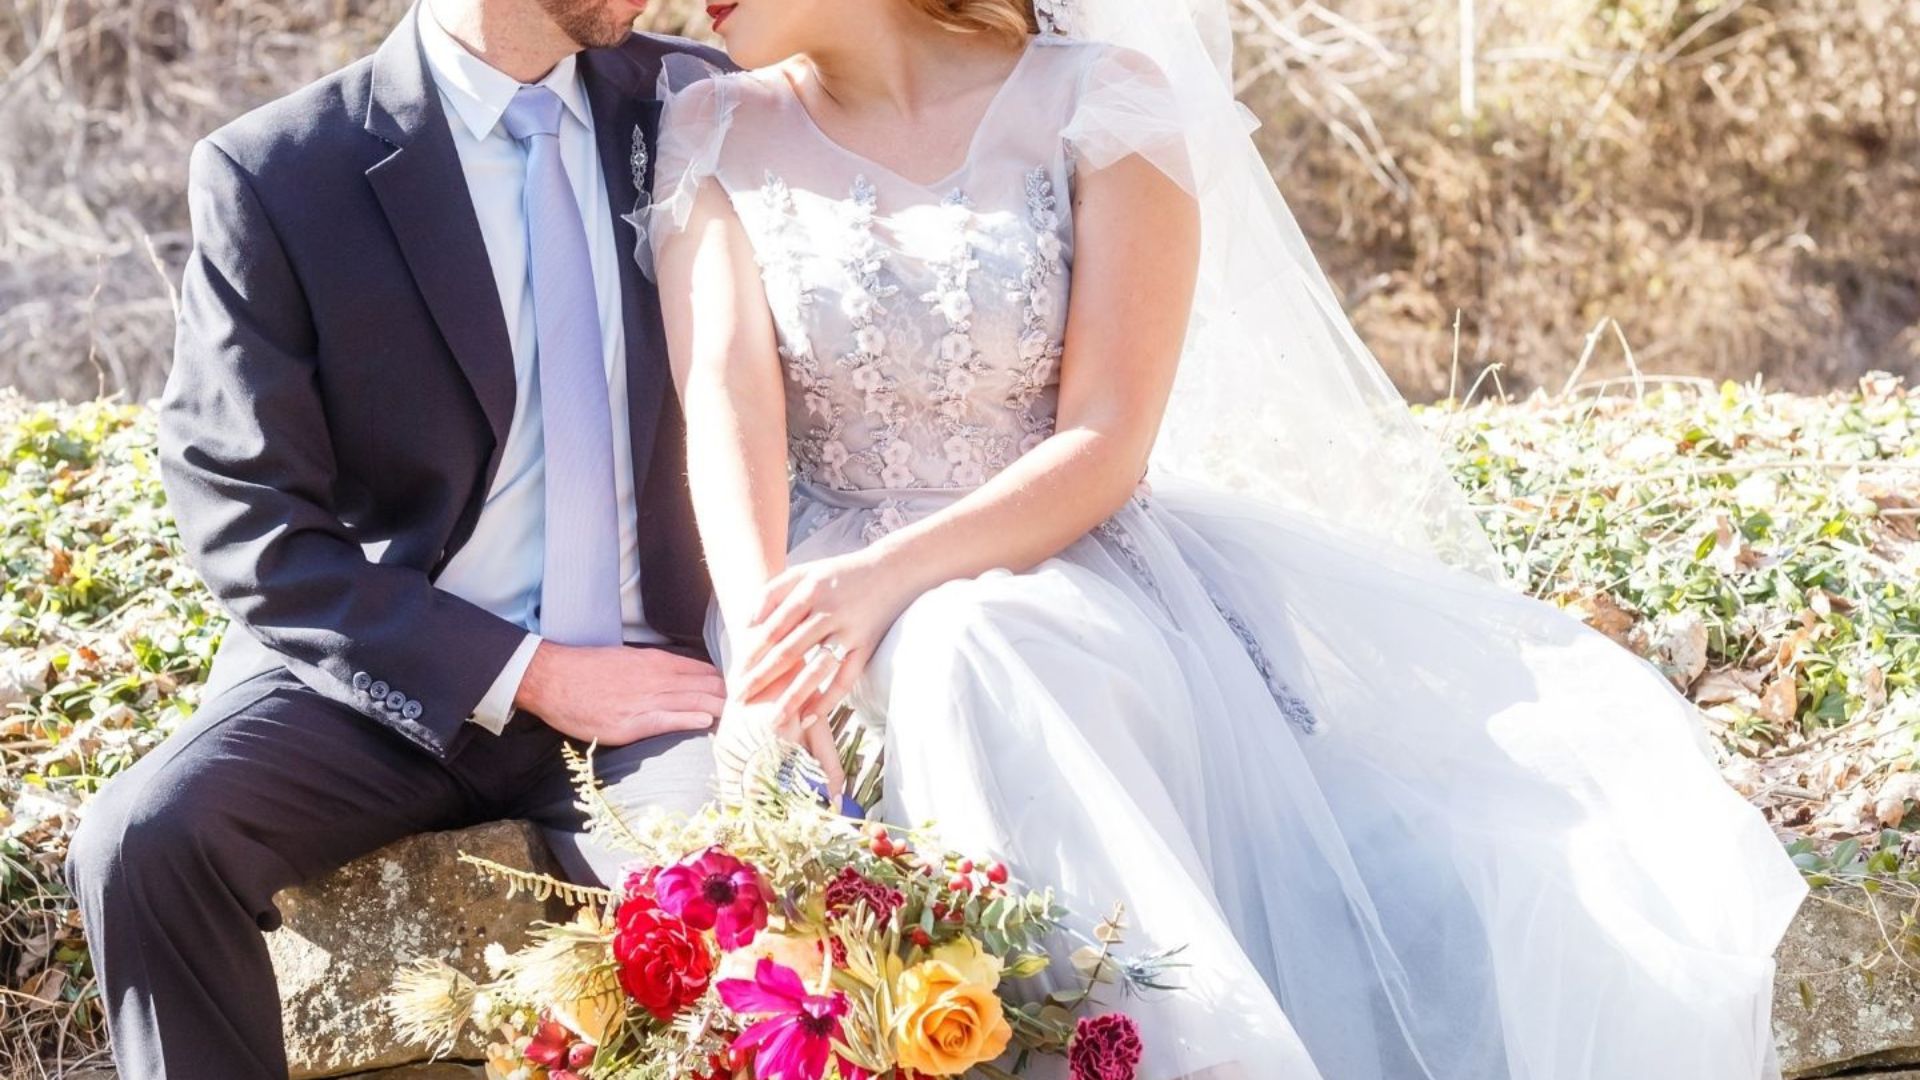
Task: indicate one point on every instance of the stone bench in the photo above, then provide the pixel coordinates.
(344, 936)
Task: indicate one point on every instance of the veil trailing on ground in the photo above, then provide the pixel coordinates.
(1277, 397)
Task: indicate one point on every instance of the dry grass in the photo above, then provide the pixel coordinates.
(99, 104)
(1736, 182)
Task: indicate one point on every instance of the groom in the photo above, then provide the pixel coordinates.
(421, 443)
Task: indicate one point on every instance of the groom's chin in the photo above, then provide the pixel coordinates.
(596, 24)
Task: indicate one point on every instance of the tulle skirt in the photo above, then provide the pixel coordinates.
(1399, 822)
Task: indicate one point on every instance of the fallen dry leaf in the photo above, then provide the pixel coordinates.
(1890, 802)
(1728, 684)
(1780, 701)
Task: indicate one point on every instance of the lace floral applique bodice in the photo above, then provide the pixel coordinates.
(920, 325)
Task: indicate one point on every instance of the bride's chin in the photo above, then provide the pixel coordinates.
(751, 54)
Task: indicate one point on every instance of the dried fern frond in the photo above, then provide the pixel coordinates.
(541, 886)
(604, 820)
(431, 1003)
(567, 962)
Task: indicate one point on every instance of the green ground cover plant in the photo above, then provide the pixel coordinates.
(1763, 549)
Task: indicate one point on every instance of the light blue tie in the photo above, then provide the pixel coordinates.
(580, 593)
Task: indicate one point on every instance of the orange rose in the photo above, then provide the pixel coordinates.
(947, 1017)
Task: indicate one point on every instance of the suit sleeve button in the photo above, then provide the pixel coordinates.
(361, 680)
(411, 711)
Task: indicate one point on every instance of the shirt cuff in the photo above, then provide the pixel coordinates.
(496, 708)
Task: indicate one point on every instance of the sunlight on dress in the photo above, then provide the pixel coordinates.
(1400, 821)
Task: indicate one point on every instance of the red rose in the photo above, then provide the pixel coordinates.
(665, 965)
(1105, 1048)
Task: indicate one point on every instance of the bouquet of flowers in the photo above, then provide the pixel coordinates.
(769, 937)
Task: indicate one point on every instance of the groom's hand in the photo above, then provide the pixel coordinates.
(617, 695)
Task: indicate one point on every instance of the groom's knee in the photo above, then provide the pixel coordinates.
(151, 836)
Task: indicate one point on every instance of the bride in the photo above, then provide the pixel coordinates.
(940, 278)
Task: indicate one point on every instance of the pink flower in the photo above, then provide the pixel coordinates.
(1105, 1048)
(716, 892)
(795, 1036)
(638, 880)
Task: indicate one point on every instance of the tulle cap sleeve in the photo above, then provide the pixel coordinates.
(1126, 106)
(698, 101)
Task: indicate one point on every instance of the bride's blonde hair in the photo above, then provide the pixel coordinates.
(1009, 20)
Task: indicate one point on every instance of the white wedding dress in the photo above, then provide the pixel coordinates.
(1403, 822)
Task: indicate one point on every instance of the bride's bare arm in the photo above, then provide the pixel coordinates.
(726, 366)
(1136, 257)
(727, 370)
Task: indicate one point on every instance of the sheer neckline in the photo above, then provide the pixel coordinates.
(1000, 94)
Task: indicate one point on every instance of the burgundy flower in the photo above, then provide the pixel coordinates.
(665, 964)
(716, 892)
(851, 890)
(1105, 1048)
(558, 1050)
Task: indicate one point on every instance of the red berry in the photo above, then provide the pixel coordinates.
(960, 884)
(580, 1056)
(966, 866)
(919, 937)
(882, 846)
(997, 873)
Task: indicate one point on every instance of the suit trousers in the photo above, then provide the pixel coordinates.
(271, 785)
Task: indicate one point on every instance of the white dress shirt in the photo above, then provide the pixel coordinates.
(501, 565)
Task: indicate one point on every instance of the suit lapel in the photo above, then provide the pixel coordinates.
(625, 123)
(423, 191)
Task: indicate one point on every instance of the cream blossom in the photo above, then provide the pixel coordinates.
(956, 306)
(956, 349)
(1049, 246)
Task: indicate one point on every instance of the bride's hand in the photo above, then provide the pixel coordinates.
(817, 626)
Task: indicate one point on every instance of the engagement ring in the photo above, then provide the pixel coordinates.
(831, 648)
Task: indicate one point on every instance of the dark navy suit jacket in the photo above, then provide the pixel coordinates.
(343, 383)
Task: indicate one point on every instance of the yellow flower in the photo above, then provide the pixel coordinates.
(974, 964)
(947, 1018)
(804, 953)
(593, 1018)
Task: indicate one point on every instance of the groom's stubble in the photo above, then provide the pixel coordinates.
(525, 38)
(593, 24)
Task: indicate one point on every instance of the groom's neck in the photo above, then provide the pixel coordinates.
(516, 37)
